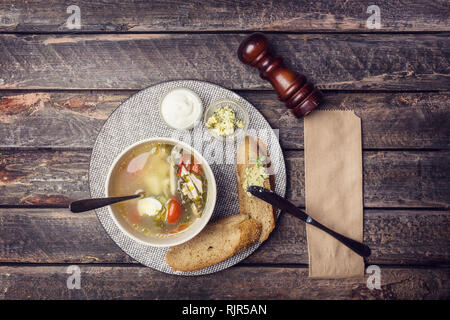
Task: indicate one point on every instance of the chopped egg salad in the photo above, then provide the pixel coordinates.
(224, 122)
(255, 175)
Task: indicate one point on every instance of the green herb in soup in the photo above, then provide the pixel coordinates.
(173, 184)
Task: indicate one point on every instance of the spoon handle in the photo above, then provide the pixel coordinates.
(91, 204)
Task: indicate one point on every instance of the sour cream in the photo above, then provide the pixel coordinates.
(181, 108)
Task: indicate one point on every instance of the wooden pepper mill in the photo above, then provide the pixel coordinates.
(299, 95)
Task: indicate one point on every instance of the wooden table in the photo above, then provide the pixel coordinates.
(58, 86)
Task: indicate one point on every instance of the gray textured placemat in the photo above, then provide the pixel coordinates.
(137, 119)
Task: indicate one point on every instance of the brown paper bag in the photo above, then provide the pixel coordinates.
(333, 191)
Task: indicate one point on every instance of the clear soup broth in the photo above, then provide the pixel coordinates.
(173, 185)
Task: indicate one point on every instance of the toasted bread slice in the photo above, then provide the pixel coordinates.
(248, 151)
(216, 243)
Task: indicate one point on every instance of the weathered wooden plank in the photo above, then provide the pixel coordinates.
(43, 178)
(73, 119)
(50, 282)
(391, 178)
(267, 15)
(59, 236)
(134, 61)
(394, 236)
(55, 236)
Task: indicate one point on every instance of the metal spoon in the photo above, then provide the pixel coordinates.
(91, 204)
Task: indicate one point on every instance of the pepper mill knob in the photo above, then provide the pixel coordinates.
(299, 95)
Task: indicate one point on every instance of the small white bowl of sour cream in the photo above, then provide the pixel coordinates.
(181, 108)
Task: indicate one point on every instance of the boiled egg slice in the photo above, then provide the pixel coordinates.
(149, 206)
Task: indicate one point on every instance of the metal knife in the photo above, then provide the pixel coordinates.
(281, 203)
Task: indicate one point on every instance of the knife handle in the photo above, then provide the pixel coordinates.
(358, 247)
(281, 203)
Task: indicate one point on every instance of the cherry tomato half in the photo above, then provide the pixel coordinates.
(174, 211)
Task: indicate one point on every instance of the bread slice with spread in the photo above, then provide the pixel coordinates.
(252, 162)
(217, 242)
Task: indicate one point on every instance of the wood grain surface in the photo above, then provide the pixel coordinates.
(135, 61)
(216, 15)
(73, 119)
(406, 237)
(59, 85)
(391, 178)
(125, 282)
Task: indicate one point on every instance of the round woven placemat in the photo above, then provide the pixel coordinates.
(138, 118)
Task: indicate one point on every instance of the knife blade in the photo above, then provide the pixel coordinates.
(281, 203)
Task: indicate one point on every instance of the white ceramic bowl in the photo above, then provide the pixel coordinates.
(195, 122)
(179, 237)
